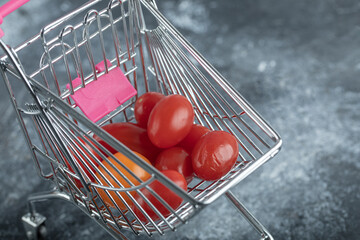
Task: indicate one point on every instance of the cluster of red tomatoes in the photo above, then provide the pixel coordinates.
(166, 137)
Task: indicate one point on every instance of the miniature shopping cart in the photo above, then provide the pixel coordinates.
(88, 69)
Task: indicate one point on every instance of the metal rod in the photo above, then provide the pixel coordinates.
(249, 217)
(42, 197)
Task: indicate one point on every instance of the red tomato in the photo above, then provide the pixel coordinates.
(170, 121)
(133, 136)
(79, 155)
(196, 132)
(177, 159)
(214, 155)
(144, 105)
(165, 193)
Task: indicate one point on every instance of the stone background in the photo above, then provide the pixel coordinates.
(296, 62)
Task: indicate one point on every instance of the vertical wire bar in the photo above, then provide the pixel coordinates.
(126, 33)
(67, 69)
(140, 16)
(116, 39)
(52, 68)
(173, 85)
(123, 19)
(131, 26)
(98, 19)
(137, 18)
(79, 62)
(88, 42)
(150, 52)
(157, 65)
(114, 35)
(42, 72)
(123, 14)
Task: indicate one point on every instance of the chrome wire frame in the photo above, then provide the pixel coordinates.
(159, 59)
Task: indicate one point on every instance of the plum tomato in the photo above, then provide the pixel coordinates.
(132, 136)
(170, 121)
(196, 132)
(214, 155)
(144, 105)
(165, 193)
(177, 159)
(133, 167)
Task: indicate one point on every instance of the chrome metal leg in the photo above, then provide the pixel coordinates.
(265, 235)
(38, 197)
(34, 223)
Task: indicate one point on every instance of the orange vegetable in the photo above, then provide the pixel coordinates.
(83, 159)
(134, 168)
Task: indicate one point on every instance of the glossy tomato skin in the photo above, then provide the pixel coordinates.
(177, 159)
(165, 193)
(134, 168)
(196, 132)
(214, 155)
(132, 136)
(144, 105)
(170, 121)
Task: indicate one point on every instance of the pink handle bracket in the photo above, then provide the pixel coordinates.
(104, 95)
(8, 8)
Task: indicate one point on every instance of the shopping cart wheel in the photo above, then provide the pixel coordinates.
(34, 225)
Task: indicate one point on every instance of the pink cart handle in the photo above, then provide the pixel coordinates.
(8, 8)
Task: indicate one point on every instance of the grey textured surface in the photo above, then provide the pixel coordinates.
(298, 64)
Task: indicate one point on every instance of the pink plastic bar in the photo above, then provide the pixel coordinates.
(104, 95)
(8, 8)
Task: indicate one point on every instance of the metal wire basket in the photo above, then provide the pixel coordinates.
(131, 35)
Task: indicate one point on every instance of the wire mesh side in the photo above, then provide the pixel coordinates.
(72, 49)
(178, 72)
